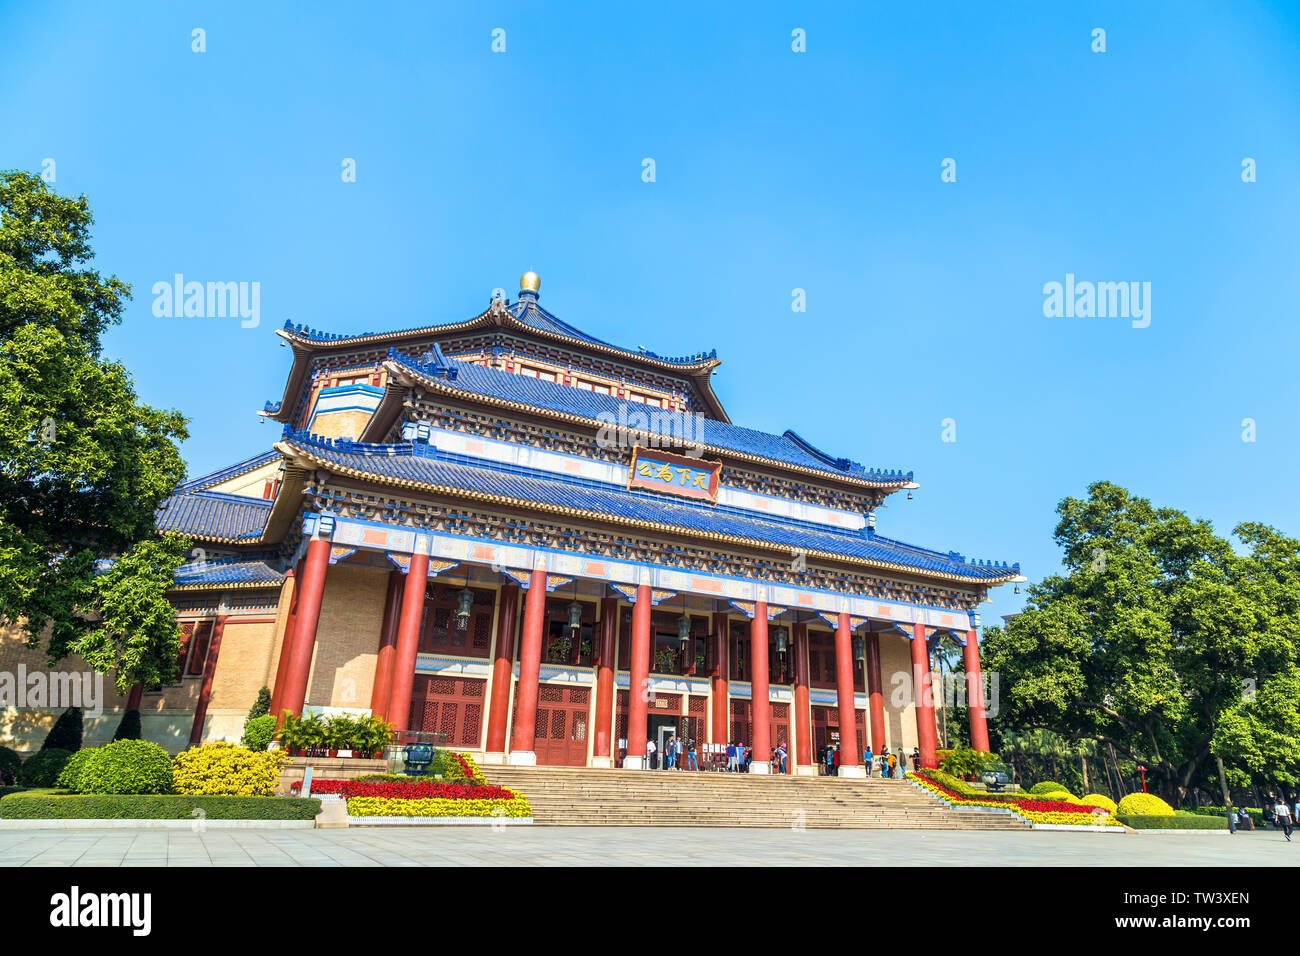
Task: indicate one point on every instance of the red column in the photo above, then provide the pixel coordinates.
(761, 706)
(383, 688)
(979, 730)
(503, 658)
(530, 665)
(803, 755)
(639, 678)
(286, 643)
(721, 668)
(850, 756)
(875, 694)
(602, 748)
(312, 584)
(205, 689)
(408, 642)
(927, 738)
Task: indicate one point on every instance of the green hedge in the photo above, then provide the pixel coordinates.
(1190, 821)
(46, 806)
(1256, 814)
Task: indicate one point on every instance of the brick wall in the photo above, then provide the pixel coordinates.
(347, 637)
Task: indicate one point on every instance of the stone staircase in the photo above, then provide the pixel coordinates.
(572, 796)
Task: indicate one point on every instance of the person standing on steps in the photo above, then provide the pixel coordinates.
(650, 754)
(893, 762)
(867, 759)
(690, 752)
(731, 757)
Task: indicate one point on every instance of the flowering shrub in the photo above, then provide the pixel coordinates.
(410, 789)
(1035, 810)
(1143, 804)
(226, 770)
(434, 807)
(1098, 800)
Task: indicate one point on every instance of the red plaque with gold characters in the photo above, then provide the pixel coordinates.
(674, 475)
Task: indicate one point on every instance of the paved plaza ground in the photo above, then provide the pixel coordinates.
(632, 846)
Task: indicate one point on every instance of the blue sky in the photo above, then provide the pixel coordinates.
(775, 170)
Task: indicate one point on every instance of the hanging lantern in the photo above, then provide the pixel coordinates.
(464, 597)
(859, 647)
(684, 631)
(575, 615)
(782, 641)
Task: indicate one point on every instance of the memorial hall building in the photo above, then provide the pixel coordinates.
(551, 549)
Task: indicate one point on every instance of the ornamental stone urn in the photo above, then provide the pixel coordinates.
(418, 757)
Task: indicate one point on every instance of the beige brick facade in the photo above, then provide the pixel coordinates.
(347, 638)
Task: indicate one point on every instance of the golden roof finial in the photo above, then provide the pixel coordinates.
(530, 281)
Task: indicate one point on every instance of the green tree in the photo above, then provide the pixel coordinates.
(66, 732)
(83, 463)
(1146, 642)
(260, 706)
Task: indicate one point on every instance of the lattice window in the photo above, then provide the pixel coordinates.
(473, 725)
(472, 688)
(442, 685)
(579, 725)
(780, 711)
(448, 723)
(539, 725)
(550, 693)
(696, 704)
(579, 695)
(482, 631)
(557, 724)
(429, 719)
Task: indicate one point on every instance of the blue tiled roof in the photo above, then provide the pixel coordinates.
(228, 571)
(216, 477)
(554, 396)
(423, 465)
(525, 310)
(214, 515)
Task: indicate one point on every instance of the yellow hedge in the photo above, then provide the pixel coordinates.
(227, 770)
(1062, 795)
(1144, 805)
(437, 807)
(1099, 800)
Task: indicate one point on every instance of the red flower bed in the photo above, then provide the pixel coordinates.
(410, 791)
(1034, 806)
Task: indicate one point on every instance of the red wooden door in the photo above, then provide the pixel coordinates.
(561, 732)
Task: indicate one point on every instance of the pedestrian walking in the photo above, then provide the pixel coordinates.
(1283, 811)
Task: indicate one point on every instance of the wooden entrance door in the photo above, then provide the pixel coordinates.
(561, 739)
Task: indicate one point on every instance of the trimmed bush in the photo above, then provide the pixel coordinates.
(1155, 821)
(1099, 800)
(42, 768)
(1048, 786)
(127, 766)
(226, 770)
(258, 732)
(66, 732)
(261, 707)
(46, 806)
(1143, 804)
(1063, 795)
(70, 777)
(129, 727)
(10, 764)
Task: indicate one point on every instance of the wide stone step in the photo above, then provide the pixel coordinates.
(563, 796)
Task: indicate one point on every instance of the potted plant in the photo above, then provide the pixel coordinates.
(290, 734)
(372, 736)
(312, 728)
(340, 733)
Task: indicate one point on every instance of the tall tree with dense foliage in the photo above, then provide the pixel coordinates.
(1161, 640)
(83, 463)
